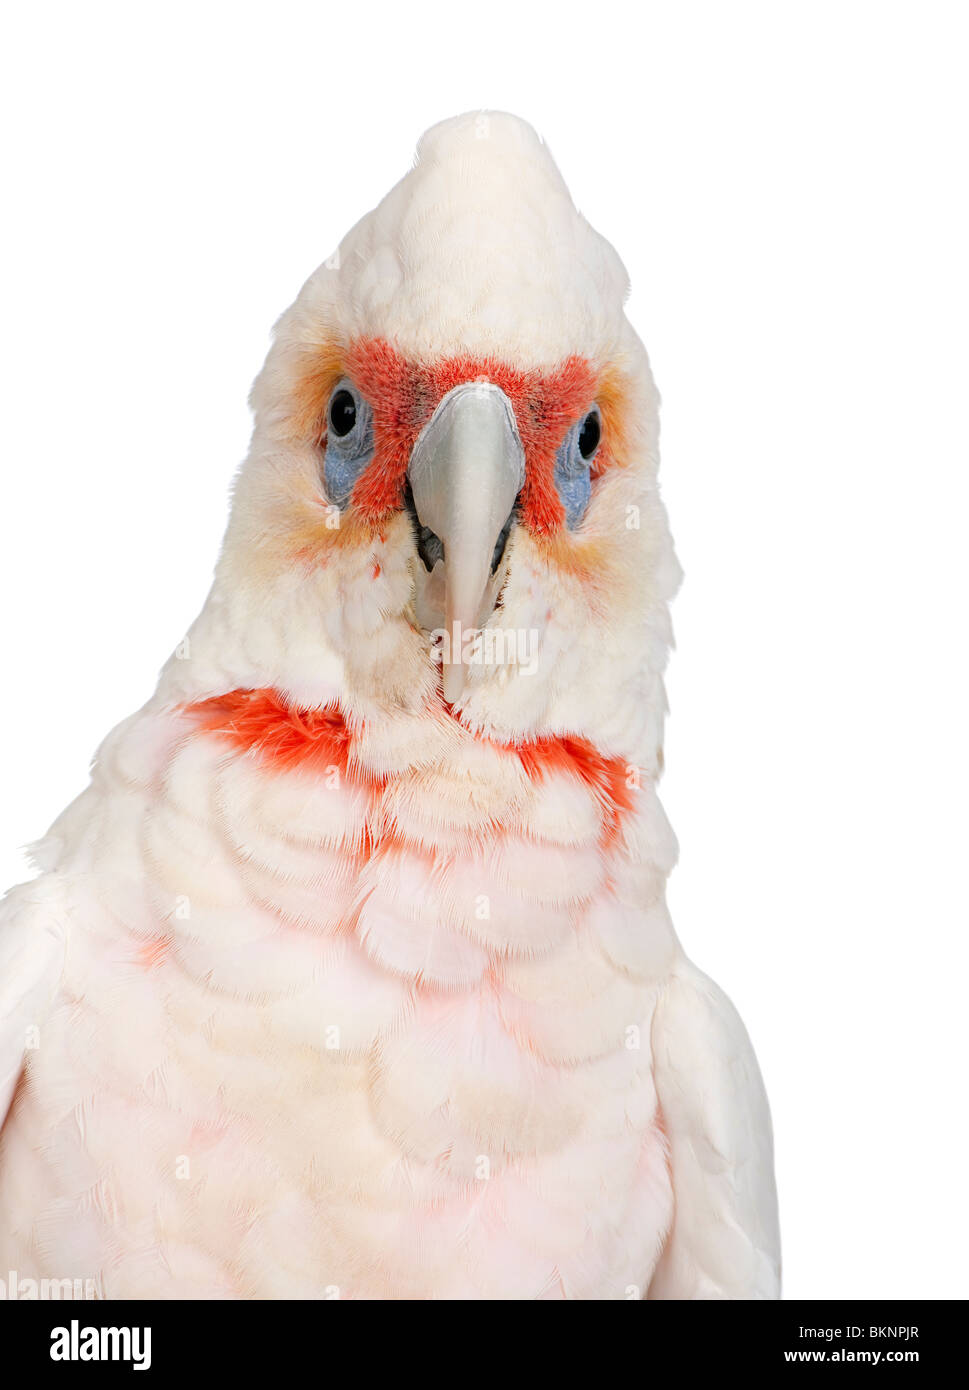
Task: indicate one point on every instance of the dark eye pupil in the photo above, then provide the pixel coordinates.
(343, 413)
(589, 435)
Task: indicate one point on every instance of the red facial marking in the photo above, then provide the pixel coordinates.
(403, 395)
(264, 723)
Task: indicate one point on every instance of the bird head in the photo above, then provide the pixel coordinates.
(450, 503)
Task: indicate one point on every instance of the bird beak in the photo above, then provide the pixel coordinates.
(466, 471)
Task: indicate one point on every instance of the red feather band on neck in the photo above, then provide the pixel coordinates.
(317, 740)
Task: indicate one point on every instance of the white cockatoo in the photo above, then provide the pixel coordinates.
(351, 973)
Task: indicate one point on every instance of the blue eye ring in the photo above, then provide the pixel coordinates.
(348, 443)
(573, 465)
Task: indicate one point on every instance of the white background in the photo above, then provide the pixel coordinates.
(787, 185)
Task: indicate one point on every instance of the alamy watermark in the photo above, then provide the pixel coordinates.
(17, 1289)
(487, 646)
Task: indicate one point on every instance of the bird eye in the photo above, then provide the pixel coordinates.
(573, 465)
(343, 413)
(589, 434)
(349, 443)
